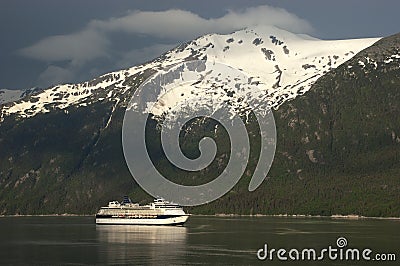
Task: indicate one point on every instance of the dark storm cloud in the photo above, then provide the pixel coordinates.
(49, 41)
(95, 40)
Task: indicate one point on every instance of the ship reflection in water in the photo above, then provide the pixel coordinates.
(138, 244)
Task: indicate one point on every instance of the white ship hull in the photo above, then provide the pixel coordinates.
(180, 220)
(160, 212)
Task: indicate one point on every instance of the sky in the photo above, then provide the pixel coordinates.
(47, 42)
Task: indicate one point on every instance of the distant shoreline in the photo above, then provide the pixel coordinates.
(336, 216)
(47, 215)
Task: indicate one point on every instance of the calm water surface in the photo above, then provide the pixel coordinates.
(203, 240)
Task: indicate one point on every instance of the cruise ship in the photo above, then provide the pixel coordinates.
(159, 212)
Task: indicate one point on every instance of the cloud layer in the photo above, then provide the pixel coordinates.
(180, 24)
(76, 47)
(165, 29)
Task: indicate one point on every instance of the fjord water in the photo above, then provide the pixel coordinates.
(203, 240)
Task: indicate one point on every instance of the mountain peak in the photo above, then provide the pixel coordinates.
(269, 30)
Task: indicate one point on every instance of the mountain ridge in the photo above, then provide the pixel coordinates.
(263, 47)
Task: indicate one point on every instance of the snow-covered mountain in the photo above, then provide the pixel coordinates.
(338, 144)
(281, 63)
